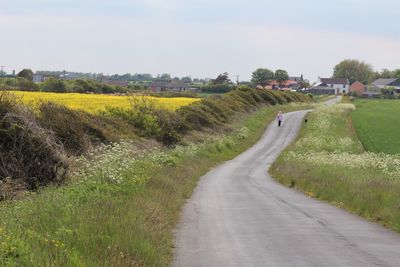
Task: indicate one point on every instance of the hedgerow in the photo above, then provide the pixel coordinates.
(29, 153)
(34, 145)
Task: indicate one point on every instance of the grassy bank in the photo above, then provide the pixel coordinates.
(35, 145)
(121, 205)
(328, 162)
(377, 124)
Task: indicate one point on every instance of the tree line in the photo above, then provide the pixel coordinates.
(355, 70)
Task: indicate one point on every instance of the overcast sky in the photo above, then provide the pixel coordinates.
(199, 38)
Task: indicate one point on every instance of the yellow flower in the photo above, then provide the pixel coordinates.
(98, 103)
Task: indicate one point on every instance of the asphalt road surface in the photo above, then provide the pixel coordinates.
(239, 216)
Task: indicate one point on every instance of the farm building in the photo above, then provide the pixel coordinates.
(322, 89)
(173, 85)
(38, 78)
(330, 86)
(357, 88)
(385, 83)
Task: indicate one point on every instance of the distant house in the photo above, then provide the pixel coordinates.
(384, 83)
(330, 86)
(358, 89)
(272, 85)
(340, 85)
(293, 83)
(37, 78)
(321, 88)
(173, 85)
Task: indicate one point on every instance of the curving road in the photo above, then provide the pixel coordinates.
(239, 216)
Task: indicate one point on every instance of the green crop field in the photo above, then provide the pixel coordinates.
(377, 123)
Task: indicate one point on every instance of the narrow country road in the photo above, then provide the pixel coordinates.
(239, 216)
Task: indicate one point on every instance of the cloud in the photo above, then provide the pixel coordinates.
(199, 38)
(311, 52)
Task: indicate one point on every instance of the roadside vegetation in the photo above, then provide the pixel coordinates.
(329, 162)
(120, 200)
(377, 125)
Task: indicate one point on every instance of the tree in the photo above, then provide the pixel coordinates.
(186, 79)
(281, 75)
(222, 79)
(261, 76)
(385, 73)
(54, 85)
(396, 74)
(26, 73)
(353, 70)
(165, 77)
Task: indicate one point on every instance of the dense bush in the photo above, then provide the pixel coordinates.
(78, 130)
(217, 88)
(29, 154)
(87, 86)
(389, 93)
(54, 85)
(18, 83)
(149, 121)
(61, 86)
(174, 94)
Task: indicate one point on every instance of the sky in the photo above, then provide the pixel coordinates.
(198, 38)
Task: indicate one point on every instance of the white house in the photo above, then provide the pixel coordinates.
(341, 86)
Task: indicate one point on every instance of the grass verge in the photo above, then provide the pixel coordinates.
(121, 207)
(328, 162)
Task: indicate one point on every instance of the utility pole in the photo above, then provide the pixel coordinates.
(237, 79)
(2, 70)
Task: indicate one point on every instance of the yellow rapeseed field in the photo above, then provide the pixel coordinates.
(95, 103)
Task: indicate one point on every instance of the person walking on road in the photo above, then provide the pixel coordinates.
(279, 118)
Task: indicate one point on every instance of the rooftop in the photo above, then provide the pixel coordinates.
(383, 82)
(335, 80)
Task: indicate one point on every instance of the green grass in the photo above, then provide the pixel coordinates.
(377, 125)
(323, 98)
(209, 94)
(122, 208)
(328, 162)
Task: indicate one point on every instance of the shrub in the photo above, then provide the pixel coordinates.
(83, 86)
(217, 88)
(267, 96)
(54, 85)
(195, 118)
(149, 121)
(279, 97)
(171, 127)
(26, 85)
(78, 130)
(174, 94)
(29, 154)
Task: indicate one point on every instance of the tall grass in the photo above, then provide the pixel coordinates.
(121, 205)
(329, 162)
